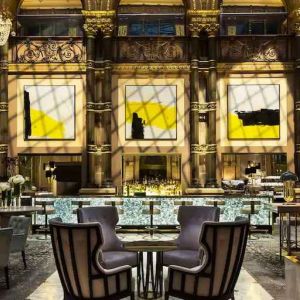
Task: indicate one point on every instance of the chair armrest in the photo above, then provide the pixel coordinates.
(115, 270)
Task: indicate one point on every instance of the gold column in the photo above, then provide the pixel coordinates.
(88, 179)
(211, 142)
(104, 22)
(3, 109)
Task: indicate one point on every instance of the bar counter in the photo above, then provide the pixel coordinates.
(133, 208)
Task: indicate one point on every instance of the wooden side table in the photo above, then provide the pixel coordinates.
(289, 215)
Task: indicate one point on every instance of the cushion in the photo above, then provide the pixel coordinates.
(114, 259)
(183, 258)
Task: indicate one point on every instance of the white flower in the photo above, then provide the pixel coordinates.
(4, 186)
(17, 179)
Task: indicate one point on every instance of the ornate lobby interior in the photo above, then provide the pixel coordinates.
(149, 149)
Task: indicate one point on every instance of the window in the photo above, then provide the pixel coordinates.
(56, 25)
(151, 26)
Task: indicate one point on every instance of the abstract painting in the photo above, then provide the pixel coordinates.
(49, 112)
(151, 112)
(253, 111)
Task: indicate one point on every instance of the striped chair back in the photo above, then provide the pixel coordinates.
(77, 251)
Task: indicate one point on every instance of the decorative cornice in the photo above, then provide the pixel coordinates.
(101, 149)
(255, 67)
(98, 107)
(3, 148)
(152, 68)
(204, 148)
(3, 106)
(209, 106)
(47, 68)
(103, 21)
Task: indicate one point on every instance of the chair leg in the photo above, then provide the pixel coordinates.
(6, 277)
(24, 259)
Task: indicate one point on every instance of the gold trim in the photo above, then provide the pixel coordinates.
(256, 67)
(199, 12)
(99, 13)
(45, 68)
(3, 106)
(152, 68)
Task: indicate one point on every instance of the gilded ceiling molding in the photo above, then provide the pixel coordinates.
(203, 20)
(102, 20)
(256, 67)
(151, 68)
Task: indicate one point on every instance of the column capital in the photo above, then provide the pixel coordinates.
(294, 21)
(203, 20)
(104, 21)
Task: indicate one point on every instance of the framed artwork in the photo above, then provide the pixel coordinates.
(253, 111)
(49, 112)
(151, 112)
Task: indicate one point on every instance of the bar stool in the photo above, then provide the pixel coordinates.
(48, 209)
(151, 211)
(181, 203)
(117, 204)
(216, 203)
(79, 204)
(250, 208)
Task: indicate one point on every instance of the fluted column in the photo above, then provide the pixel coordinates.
(3, 109)
(88, 178)
(211, 142)
(297, 98)
(194, 109)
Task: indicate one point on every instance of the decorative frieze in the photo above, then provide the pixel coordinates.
(152, 50)
(256, 50)
(194, 106)
(204, 148)
(98, 107)
(3, 106)
(50, 51)
(3, 148)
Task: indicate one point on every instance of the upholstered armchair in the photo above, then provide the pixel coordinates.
(224, 247)
(5, 241)
(20, 226)
(77, 252)
(188, 254)
(114, 254)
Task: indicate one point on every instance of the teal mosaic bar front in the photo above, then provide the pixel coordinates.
(133, 209)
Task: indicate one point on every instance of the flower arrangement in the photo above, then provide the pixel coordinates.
(5, 191)
(16, 182)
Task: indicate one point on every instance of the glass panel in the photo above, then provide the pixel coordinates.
(167, 28)
(136, 28)
(152, 28)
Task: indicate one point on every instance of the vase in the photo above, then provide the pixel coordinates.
(18, 201)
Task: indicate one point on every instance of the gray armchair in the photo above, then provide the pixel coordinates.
(114, 254)
(188, 254)
(20, 226)
(5, 241)
(77, 252)
(224, 247)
